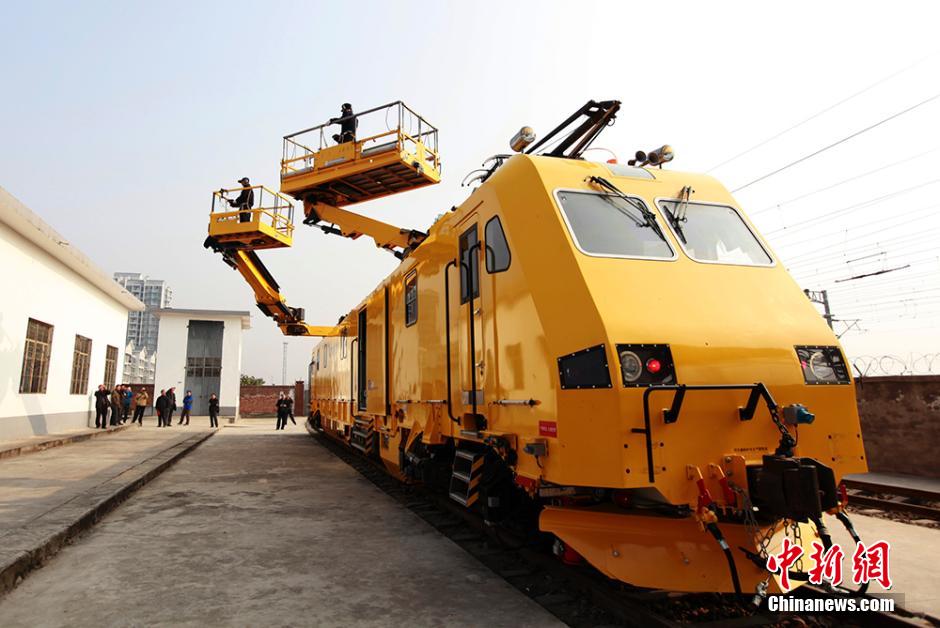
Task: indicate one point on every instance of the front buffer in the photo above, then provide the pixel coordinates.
(668, 553)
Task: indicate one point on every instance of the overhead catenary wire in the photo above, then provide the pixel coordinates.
(817, 256)
(837, 273)
(837, 143)
(828, 246)
(803, 224)
(828, 278)
(867, 173)
(847, 265)
(821, 112)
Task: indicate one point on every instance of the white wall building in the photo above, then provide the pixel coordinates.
(140, 366)
(201, 350)
(62, 327)
(142, 327)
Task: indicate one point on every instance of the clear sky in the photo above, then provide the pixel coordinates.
(118, 120)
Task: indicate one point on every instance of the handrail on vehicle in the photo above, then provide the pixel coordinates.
(758, 391)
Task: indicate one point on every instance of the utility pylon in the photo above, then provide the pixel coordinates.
(284, 364)
(821, 297)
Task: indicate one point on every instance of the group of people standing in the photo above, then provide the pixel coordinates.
(113, 407)
(166, 406)
(119, 403)
(122, 401)
(285, 410)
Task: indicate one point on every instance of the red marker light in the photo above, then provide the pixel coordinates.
(653, 365)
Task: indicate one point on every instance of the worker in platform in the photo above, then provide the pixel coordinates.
(102, 403)
(141, 401)
(187, 407)
(162, 406)
(347, 125)
(213, 411)
(244, 201)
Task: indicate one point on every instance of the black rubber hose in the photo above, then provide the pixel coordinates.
(732, 567)
(844, 518)
(823, 533)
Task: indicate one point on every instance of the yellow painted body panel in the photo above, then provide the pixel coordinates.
(725, 324)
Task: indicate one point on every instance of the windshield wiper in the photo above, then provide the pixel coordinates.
(649, 218)
(682, 206)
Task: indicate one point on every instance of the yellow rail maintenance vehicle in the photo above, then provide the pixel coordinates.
(610, 353)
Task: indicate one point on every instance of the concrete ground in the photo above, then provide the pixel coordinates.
(17, 447)
(257, 527)
(913, 560)
(34, 484)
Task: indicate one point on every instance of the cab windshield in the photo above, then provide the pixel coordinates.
(714, 233)
(605, 225)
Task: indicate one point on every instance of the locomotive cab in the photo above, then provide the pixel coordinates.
(687, 368)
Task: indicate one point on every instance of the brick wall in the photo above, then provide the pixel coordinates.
(258, 401)
(254, 401)
(901, 423)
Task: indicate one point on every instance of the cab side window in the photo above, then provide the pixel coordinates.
(498, 257)
(411, 299)
(469, 265)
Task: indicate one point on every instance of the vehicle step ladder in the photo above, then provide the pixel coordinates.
(465, 477)
(362, 438)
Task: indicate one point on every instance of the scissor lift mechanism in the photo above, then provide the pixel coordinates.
(326, 179)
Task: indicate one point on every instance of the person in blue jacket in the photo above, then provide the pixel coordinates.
(187, 407)
(128, 398)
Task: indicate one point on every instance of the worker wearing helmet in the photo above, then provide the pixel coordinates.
(347, 125)
(244, 201)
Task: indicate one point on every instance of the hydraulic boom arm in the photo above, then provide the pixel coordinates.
(268, 295)
(352, 225)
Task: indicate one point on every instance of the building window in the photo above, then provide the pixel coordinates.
(81, 359)
(35, 372)
(203, 367)
(411, 298)
(110, 366)
(497, 249)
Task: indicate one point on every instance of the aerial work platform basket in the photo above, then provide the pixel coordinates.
(392, 150)
(268, 222)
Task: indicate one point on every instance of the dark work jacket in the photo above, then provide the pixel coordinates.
(163, 404)
(102, 398)
(213, 406)
(283, 407)
(348, 125)
(171, 398)
(245, 200)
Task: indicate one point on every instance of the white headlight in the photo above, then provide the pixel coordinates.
(821, 368)
(631, 366)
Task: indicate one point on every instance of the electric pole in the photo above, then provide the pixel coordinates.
(821, 297)
(284, 364)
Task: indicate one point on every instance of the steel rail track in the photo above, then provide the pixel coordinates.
(875, 490)
(581, 596)
(925, 512)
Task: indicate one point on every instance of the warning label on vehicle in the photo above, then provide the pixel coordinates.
(548, 428)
